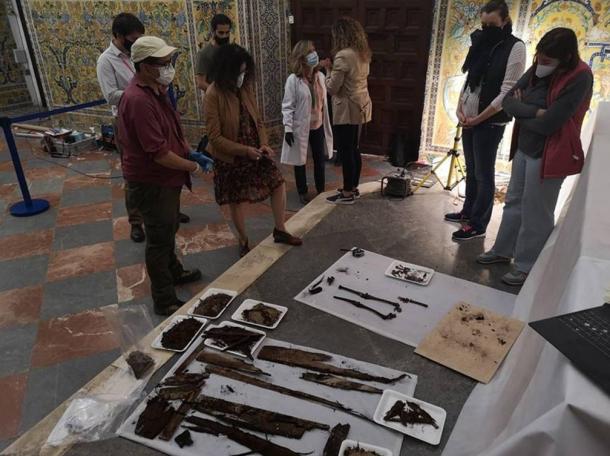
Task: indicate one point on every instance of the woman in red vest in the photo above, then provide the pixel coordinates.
(549, 104)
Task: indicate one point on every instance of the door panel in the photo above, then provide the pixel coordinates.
(399, 35)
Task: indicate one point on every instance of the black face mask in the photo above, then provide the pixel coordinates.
(492, 34)
(127, 45)
(221, 41)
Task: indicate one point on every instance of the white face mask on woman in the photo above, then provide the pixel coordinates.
(166, 75)
(542, 71)
(312, 59)
(240, 79)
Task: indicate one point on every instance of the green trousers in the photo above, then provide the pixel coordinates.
(159, 207)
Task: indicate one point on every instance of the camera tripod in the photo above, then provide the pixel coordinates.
(457, 173)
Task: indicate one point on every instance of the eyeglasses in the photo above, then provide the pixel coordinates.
(165, 66)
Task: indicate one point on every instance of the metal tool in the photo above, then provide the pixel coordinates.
(365, 307)
(363, 295)
(411, 301)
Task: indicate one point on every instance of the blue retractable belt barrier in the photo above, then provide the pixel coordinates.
(29, 206)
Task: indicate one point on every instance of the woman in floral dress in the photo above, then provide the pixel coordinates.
(245, 171)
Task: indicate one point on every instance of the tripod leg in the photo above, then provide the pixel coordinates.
(431, 173)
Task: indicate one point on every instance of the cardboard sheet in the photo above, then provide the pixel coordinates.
(471, 340)
(312, 441)
(367, 274)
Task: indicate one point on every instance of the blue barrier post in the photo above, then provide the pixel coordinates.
(29, 206)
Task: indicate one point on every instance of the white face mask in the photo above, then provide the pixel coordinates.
(240, 79)
(166, 75)
(542, 71)
(312, 59)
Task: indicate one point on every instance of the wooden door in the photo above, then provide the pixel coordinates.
(399, 34)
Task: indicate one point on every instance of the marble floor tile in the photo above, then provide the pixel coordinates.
(199, 195)
(25, 245)
(51, 172)
(11, 402)
(121, 229)
(69, 237)
(86, 195)
(20, 306)
(132, 282)
(81, 261)
(73, 336)
(16, 343)
(77, 294)
(85, 213)
(23, 272)
(194, 239)
(47, 387)
(78, 181)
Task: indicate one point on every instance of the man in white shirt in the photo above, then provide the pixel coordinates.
(114, 72)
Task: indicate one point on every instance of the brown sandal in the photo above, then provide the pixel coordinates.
(282, 237)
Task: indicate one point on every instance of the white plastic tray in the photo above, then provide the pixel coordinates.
(178, 318)
(249, 304)
(365, 446)
(428, 271)
(209, 292)
(424, 432)
(210, 342)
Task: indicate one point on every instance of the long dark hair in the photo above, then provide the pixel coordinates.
(561, 44)
(227, 65)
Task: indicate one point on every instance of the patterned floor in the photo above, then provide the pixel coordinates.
(58, 268)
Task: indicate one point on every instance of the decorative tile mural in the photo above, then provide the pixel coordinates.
(204, 11)
(13, 90)
(590, 19)
(456, 19)
(69, 35)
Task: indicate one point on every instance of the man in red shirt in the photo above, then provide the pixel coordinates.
(156, 166)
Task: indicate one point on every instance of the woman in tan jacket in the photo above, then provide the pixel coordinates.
(347, 83)
(244, 170)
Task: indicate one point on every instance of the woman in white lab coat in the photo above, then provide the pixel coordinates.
(306, 119)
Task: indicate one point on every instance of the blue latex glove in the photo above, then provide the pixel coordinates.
(206, 163)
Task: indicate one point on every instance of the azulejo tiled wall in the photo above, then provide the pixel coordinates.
(13, 89)
(456, 19)
(69, 35)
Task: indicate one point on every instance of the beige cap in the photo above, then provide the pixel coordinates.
(150, 46)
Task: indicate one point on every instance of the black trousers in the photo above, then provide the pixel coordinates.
(480, 149)
(347, 146)
(159, 207)
(316, 141)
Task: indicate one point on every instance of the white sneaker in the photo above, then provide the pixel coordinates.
(514, 278)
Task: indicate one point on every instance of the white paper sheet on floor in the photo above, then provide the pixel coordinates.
(539, 403)
(367, 274)
(365, 431)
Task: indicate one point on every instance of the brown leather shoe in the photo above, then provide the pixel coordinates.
(282, 237)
